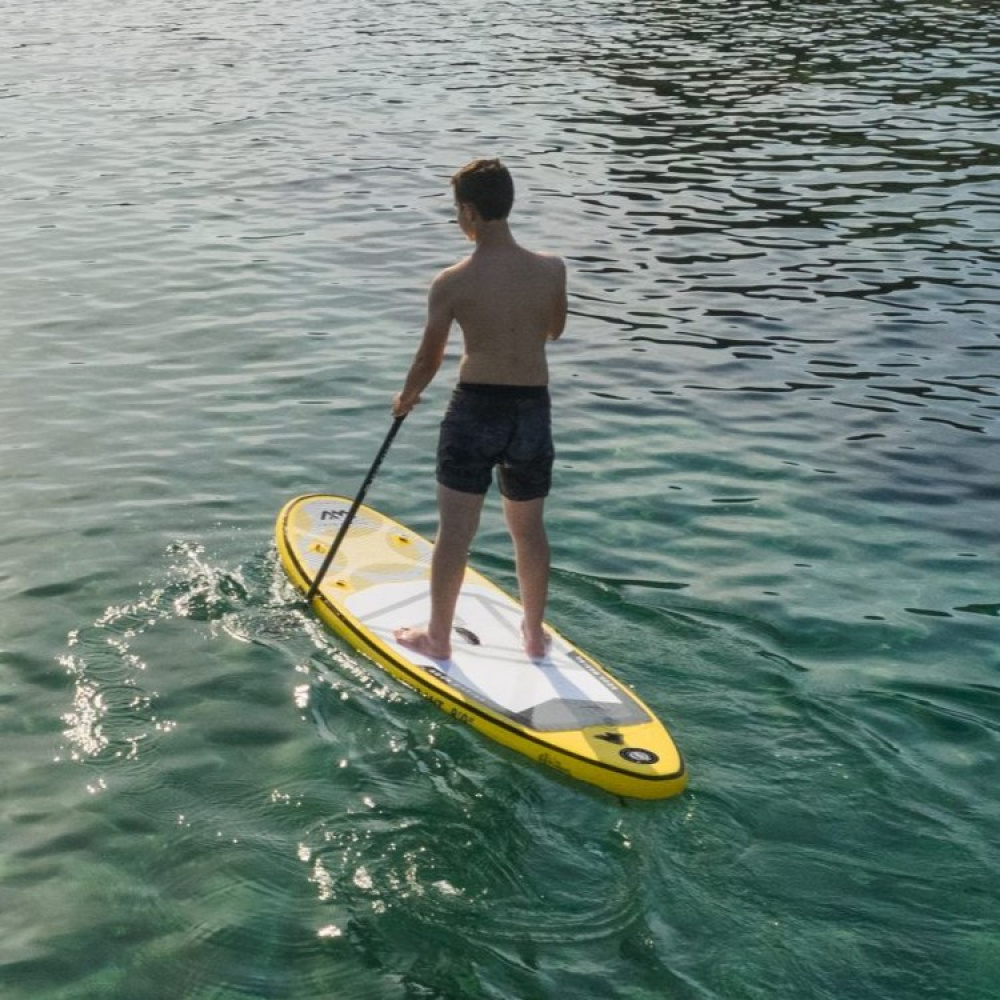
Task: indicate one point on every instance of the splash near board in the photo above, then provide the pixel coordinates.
(565, 710)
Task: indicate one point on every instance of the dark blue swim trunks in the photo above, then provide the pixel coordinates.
(504, 426)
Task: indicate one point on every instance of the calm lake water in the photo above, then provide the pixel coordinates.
(776, 507)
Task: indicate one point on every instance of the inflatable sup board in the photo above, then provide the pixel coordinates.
(564, 710)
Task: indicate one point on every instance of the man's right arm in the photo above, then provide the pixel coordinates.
(560, 307)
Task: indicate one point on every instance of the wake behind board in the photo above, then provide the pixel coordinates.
(565, 710)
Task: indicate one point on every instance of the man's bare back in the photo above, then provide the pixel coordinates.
(508, 302)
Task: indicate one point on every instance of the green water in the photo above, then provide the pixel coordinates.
(775, 511)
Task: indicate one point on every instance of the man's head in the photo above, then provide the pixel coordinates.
(487, 186)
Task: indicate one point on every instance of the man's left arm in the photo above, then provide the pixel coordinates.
(430, 353)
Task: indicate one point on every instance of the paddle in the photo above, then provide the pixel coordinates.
(345, 524)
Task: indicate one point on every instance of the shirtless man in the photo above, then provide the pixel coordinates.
(508, 302)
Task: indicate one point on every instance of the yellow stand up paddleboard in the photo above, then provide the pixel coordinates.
(564, 710)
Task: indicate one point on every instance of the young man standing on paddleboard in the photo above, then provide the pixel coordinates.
(508, 302)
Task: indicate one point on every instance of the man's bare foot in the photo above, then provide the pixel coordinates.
(537, 644)
(420, 642)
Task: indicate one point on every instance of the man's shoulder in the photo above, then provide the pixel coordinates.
(549, 261)
(449, 275)
(446, 280)
(547, 255)
(551, 268)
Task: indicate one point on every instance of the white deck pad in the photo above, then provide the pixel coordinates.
(561, 691)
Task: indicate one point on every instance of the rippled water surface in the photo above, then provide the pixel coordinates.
(775, 512)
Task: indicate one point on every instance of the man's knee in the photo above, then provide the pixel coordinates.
(525, 519)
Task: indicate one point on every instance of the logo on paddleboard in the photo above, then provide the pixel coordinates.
(636, 755)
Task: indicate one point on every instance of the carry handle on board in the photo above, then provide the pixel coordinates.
(346, 523)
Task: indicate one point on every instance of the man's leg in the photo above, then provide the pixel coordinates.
(526, 524)
(457, 525)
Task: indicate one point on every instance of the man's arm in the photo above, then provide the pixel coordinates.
(430, 353)
(561, 306)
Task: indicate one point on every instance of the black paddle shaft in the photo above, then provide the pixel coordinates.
(346, 523)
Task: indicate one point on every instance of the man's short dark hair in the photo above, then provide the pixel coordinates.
(487, 186)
